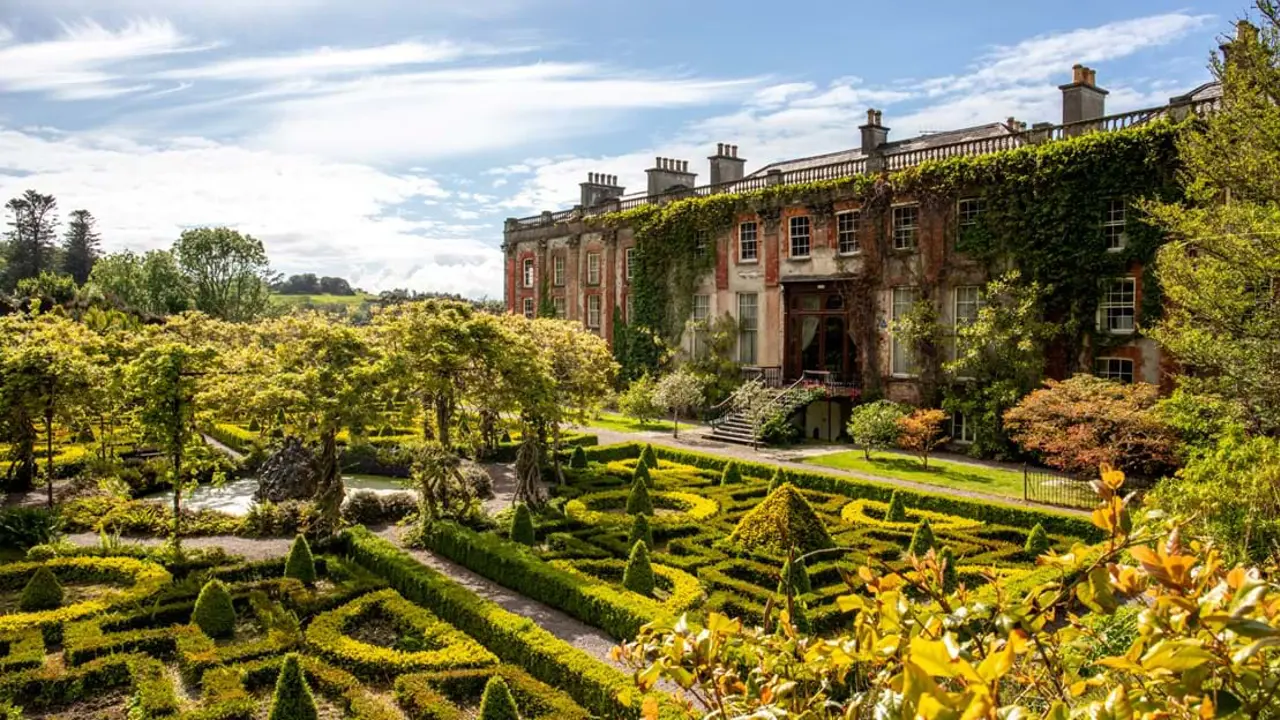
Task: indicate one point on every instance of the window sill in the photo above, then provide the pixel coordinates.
(898, 376)
(800, 258)
(752, 261)
(1116, 249)
(1118, 332)
(855, 253)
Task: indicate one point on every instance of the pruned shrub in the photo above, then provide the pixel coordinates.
(950, 578)
(43, 592)
(649, 457)
(639, 502)
(921, 540)
(794, 578)
(578, 458)
(1038, 542)
(782, 520)
(638, 576)
(292, 699)
(213, 613)
(497, 703)
(300, 565)
(778, 480)
(896, 512)
(642, 474)
(731, 475)
(522, 526)
(641, 531)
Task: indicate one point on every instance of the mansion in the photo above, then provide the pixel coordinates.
(778, 269)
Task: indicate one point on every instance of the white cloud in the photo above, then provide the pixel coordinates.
(328, 61)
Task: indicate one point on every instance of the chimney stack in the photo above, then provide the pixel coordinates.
(1082, 99)
(726, 166)
(598, 188)
(669, 174)
(874, 133)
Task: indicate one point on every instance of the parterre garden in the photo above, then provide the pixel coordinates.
(132, 633)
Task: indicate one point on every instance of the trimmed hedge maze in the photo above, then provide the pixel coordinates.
(699, 562)
(378, 636)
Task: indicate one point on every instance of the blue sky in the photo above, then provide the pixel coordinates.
(386, 140)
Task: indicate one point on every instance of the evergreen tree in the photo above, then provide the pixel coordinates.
(522, 526)
(1038, 542)
(649, 457)
(950, 578)
(301, 564)
(641, 531)
(795, 577)
(80, 246)
(638, 502)
(731, 474)
(642, 473)
(896, 512)
(43, 592)
(638, 575)
(578, 459)
(497, 703)
(214, 613)
(292, 699)
(921, 540)
(30, 250)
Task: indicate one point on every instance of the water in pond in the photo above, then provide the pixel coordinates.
(236, 496)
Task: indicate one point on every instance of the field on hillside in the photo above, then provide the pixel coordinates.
(320, 300)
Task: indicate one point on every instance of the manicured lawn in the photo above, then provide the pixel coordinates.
(940, 472)
(622, 423)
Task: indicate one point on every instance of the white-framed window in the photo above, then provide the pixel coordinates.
(962, 431)
(700, 242)
(593, 268)
(557, 271)
(1117, 309)
(558, 303)
(748, 327)
(1113, 223)
(701, 313)
(906, 227)
(967, 303)
(528, 308)
(528, 272)
(799, 231)
(847, 232)
(1114, 368)
(628, 259)
(748, 243)
(593, 312)
(903, 360)
(968, 210)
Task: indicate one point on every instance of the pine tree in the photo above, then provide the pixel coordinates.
(292, 699)
(638, 502)
(301, 564)
(896, 512)
(638, 576)
(950, 578)
(497, 703)
(214, 613)
(80, 246)
(578, 460)
(522, 526)
(649, 457)
(30, 250)
(43, 592)
(921, 540)
(731, 474)
(1038, 542)
(641, 531)
(642, 474)
(796, 575)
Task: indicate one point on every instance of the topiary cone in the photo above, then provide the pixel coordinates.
(641, 531)
(496, 703)
(638, 502)
(796, 575)
(522, 526)
(778, 480)
(896, 512)
(578, 459)
(301, 565)
(950, 578)
(213, 613)
(638, 577)
(732, 475)
(1038, 542)
(921, 540)
(43, 592)
(292, 699)
(649, 457)
(642, 473)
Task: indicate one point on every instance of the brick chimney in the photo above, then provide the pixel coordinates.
(874, 134)
(726, 166)
(669, 174)
(598, 188)
(1082, 99)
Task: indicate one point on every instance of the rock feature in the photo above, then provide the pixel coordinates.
(291, 473)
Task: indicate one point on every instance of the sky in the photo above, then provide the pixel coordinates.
(385, 141)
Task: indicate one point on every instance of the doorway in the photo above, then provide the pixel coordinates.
(818, 337)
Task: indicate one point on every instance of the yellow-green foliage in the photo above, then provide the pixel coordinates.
(781, 521)
(214, 613)
(497, 703)
(137, 581)
(860, 512)
(42, 593)
(638, 576)
(638, 502)
(292, 698)
(1038, 542)
(300, 565)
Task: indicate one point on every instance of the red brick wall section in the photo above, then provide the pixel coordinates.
(722, 259)
(523, 292)
(608, 277)
(511, 283)
(770, 248)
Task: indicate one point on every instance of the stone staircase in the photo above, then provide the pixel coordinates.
(736, 427)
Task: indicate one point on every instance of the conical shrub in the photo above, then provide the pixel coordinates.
(214, 613)
(950, 578)
(497, 703)
(800, 618)
(43, 592)
(642, 474)
(897, 512)
(921, 539)
(638, 576)
(292, 699)
(783, 520)
(641, 531)
(649, 457)
(301, 565)
(796, 575)
(1038, 542)
(522, 526)
(778, 480)
(254, 425)
(638, 502)
(578, 458)
(506, 437)
(731, 475)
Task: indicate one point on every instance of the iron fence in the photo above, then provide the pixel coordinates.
(1046, 488)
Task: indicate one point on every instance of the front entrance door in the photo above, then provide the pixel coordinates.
(818, 337)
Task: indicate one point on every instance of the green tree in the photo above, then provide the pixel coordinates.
(641, 473)
(522, 526)
(292, 699)
(875, 425)
(681, 391)
(300, 565)
(49, 287)
(922, 540)
(638, 502)
(229, 273)
(641, 530)
(896, 512)
(638, 575)
(649, 457)
(496, 703)
(151, 283)
(32, 229)
(213, 612)
(80, 246)
(638, 401)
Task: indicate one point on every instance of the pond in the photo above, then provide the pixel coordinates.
(235, 497)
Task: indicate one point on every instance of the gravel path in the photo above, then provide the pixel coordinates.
(699, 442)
(249, 548)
